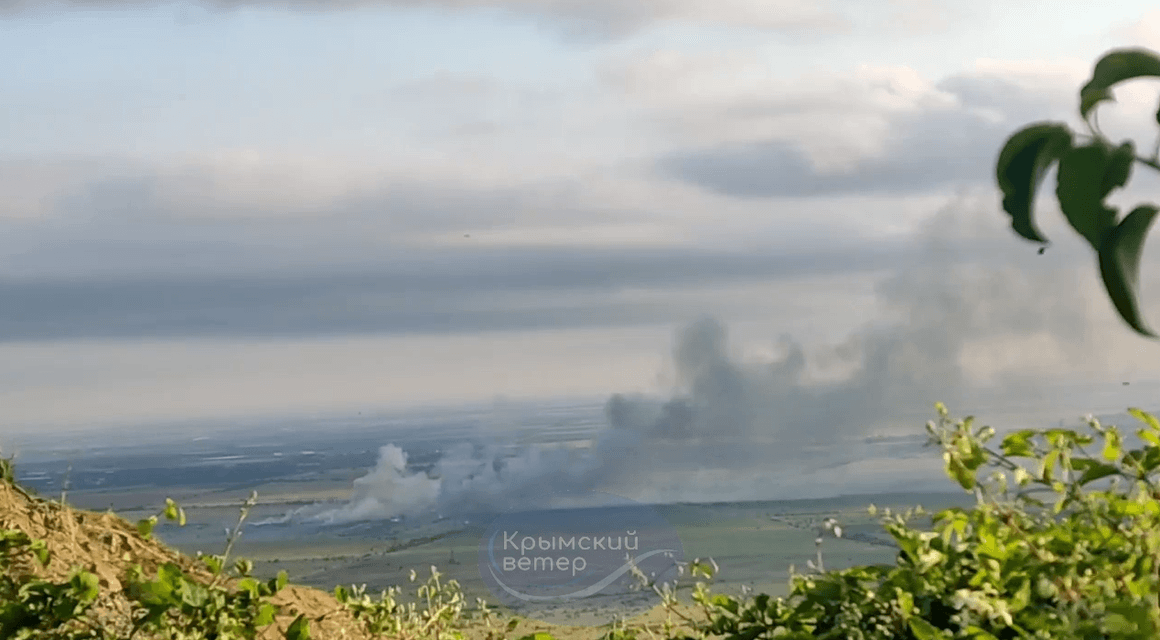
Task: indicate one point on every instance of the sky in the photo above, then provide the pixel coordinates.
(245, 207)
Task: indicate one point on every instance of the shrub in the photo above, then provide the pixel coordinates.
(1061, 543)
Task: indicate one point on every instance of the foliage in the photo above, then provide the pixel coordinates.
(176, 605)
(34, 608)
(435, 613)
(171, 604)
(1089, 168)
(170, 512)
(1082, 563)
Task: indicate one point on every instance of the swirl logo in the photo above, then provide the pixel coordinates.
(579, 565)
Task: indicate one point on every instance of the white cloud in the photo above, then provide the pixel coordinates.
(764, 14)
(1144, 31)
(579, 18)
(837, 120)
(727, 121)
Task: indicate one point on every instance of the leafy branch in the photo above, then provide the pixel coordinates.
(1087, 172)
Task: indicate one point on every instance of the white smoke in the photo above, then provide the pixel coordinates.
(389, 490)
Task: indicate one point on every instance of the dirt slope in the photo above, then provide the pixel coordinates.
(107, 545)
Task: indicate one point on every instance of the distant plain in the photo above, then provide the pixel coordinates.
(211, 471)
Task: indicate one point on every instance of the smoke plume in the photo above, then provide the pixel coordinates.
(735, 429)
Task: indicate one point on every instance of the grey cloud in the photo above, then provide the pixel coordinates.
(778, 169)
(123, 257)
(114, 263)
(927, 150)
(151, 200)
(445, 292)
(180, 225)
(1019, 100)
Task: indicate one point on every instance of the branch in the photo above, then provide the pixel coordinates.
(1151, 162)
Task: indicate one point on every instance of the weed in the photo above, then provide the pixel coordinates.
(436, 612)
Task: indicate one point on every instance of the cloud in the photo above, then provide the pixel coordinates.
(249, 243)
(735, 124)
(583, 19)
(873, 131)
(452, 292)
(219, 248)
(780, 169)
(1144, 31)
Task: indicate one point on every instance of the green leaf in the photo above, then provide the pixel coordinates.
(281, 580)
(1016, 444)
(39, 549)
(924, 630)
(1049, 462)
(169, 575)
(244, 566)
(1149, 437)
(1115, 67)
(978, 633)
(1134, 620)
(1086, 176)
(265, 615)
(1093, 470)
(213, 563)
(145, 526)
(299, 629)
(248, 584)
(1119, 167)
(86, 585)
(1021, 167)
(193, 594)
(1145, 417)
(1112, 449)
(1117, 624)
(698, 568)
(1020, 590)
(722, 601)
(1120, 254)
(960, 474)
(1148, 459)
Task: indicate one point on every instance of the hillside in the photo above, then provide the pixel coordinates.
(109, 547)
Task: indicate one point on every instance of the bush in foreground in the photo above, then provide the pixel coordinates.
(1061, 543)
